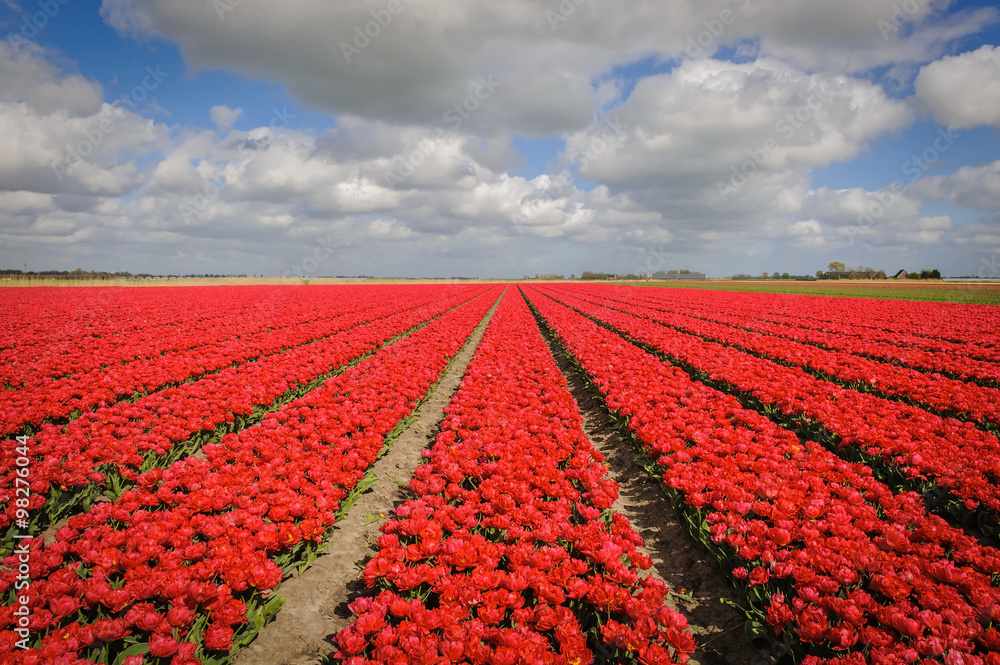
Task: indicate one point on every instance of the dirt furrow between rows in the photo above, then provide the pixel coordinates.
(681, 563)
(315, 607)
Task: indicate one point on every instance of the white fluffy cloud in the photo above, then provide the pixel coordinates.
(708, 116)
(890, 220)
(67, 139)
(224, 117)
(27, 77)
(851, 37)
(963, 91)
(970, 186)
(411, 64)
(726, 149)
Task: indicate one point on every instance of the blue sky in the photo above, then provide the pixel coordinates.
(591, 139)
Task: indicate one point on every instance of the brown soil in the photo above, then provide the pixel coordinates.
(678, 559)
(316, 601)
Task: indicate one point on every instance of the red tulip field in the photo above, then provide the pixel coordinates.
(177, 462)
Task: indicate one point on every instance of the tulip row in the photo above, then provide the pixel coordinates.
(173, 567)
(510, 552)
(959, 365)
(43, 317)
(44, 322)
(973, 325)
(804, 315)
(960, 361)
(60, 398)
(938, 393)
(102, 452)
(840, 568)
(816, 331)
(927, 449)
(27, 365)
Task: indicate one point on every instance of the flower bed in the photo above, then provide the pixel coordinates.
(510, 552)
(837, 566)
(926, 449)
(182, 567)
(102, 453)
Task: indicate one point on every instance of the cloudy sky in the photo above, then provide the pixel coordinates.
(501, 139)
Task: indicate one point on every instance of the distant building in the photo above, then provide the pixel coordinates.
(902, 274)
(679, 275)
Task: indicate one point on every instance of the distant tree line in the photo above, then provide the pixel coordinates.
(630, 277)
(839, 270)
(924, 274)
(775, 275)
(79, 273)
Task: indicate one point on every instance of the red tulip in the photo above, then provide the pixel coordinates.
(218, 637)
(162, 646)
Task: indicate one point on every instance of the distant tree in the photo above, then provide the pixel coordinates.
(837, 266)
(764, 275)
(881, 275)
(573, 276)
(685, 272)
(776, 275)
(785, 275)
(820, 274)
